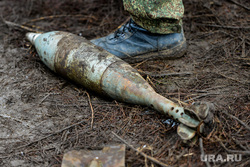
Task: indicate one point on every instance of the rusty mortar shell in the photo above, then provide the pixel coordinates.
(96, 69)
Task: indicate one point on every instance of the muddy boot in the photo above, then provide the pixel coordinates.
(132, 43)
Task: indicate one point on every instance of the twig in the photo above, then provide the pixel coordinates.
(203, 95)
(237, 3)
(166, 74)
(216, 87)
(221, 26)
(234, 36)
(141, 153)
(127, 19)
(137, 65)
(21, 26)
(245, 163)
(199, 16)
(27, 152)
(57, 16)
(45, 97)
(202, 151)
(150, 81)
(233, 79)
(240, 121)
(238, 142)
(91, 107)
(17, 120)
(59, 131)
(233, 151)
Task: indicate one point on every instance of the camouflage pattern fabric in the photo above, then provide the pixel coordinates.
(156, 16)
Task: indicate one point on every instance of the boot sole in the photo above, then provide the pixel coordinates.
(173, 53)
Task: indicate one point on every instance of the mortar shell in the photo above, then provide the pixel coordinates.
(96, 69)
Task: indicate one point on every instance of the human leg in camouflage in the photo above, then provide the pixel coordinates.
(154, 31)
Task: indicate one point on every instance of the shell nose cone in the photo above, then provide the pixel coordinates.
(32, 37)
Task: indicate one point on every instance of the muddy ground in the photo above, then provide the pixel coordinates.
(42, 115)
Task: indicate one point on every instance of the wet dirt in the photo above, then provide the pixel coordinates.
(42, 115)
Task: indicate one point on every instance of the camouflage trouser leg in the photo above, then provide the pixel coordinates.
(157, 16)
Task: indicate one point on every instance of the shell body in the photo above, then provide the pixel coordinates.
(79, 60)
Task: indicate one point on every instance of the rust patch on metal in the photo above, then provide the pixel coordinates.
(102, 55)
(125, 83)
(60, 65)
(93, 69)
(76, 68)
(64, 46)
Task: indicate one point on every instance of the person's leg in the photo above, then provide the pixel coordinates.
(154, 32)
(156, 16)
